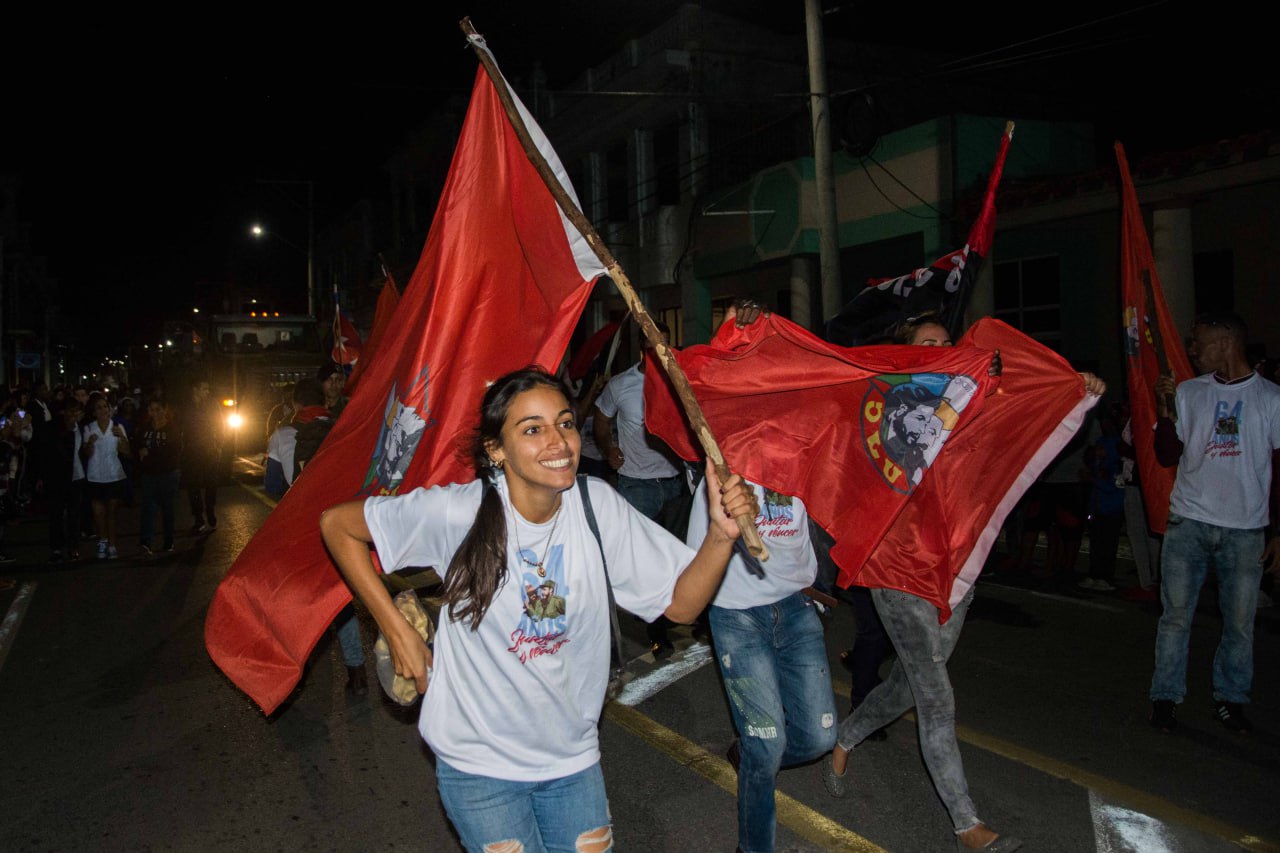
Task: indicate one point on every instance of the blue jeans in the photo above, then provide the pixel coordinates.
(1191, 548)
(158, 490)
(648, 496)
(349, 636)
(919, 678)
(542, 816)
(774, 663)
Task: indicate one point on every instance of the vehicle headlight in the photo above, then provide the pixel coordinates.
(235, 420)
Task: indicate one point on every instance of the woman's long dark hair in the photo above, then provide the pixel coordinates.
(479, 567)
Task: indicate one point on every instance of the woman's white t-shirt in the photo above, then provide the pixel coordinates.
(520, 697)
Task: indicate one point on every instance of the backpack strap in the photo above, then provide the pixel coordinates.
(613, 607)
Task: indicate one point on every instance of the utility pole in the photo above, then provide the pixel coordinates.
(823, 177)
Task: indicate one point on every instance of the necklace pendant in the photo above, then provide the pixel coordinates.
(542, 573)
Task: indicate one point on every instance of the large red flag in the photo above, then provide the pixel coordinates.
(938, 544)
(500, 285)
(1152, 346)
(388, 301)
(865, 436)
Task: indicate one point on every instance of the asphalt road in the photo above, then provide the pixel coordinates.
(118, 733)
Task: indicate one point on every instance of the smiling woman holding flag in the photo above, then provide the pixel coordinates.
(517, 680)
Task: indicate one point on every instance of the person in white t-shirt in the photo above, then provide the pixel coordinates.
(647, 474)
(772, 656)
(103, 447)
(1227, 427)
(517, 684)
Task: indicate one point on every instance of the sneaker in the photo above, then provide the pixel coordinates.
(56, 558)
(204, 528)
(1162, 715)
(1087, 583)
(1231, 715)
(197, 527)
(5, 558)
(102, 549)
(112, 553)
(145, 551)
(1100, 585)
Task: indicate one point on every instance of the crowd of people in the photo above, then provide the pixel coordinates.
(534, 555)
(520, 536)
(77, 453)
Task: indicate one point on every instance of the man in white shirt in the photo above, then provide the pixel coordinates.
(647, 478)
(1227, 426)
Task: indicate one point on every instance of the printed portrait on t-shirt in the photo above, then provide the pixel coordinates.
(777, 515)
(544, 619)
(1225, 440)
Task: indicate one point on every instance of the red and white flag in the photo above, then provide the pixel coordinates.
(499, 286)
(905, 455)
(347, 347)
(1151, 346)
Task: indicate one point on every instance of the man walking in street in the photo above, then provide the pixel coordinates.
(647, 477)
(1220, 430)
(201, 457)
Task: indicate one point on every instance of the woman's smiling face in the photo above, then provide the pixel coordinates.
(540, 443)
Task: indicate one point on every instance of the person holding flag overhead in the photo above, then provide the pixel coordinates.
(924, 640)
(532, 557)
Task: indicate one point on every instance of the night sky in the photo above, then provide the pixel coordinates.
(141, 140)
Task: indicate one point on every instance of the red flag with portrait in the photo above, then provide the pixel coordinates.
(500, 285)
(901, 453)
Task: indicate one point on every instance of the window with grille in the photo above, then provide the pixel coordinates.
(1028, 296)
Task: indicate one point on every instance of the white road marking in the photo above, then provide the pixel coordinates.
(13, 618)
(682, 663)
(1121, 830)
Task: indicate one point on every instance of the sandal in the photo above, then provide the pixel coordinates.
(999, 844)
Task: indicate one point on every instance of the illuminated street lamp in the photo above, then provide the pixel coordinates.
(259, 232)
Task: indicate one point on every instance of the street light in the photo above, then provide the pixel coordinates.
(259, 232)
(311, 234)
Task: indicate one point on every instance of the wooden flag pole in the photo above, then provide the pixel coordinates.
(680, 382)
